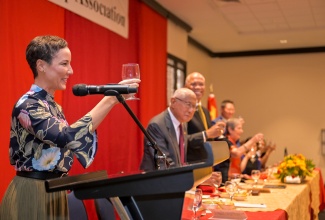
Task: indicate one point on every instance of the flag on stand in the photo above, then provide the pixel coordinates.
(212, 105)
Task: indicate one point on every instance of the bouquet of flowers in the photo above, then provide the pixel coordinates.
(295, 165)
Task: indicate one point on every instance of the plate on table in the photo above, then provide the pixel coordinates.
(211, 203)
(227, 205)
(218, 204)
(259, 182)
(239, 196)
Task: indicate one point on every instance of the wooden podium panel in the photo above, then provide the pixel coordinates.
(220, 152)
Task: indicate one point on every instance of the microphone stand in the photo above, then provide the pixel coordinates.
(158, 154)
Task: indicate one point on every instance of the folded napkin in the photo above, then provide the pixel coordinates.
(207, 189)
(260, 189)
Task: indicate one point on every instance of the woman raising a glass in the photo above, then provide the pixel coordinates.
(234, 130)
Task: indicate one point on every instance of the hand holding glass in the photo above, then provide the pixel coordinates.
(221, 126)
(131, 71)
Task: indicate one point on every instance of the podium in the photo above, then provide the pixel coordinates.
(145, 195)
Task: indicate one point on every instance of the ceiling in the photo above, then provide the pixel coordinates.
(237, 26)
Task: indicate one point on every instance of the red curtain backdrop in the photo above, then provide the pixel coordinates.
(153, 56)
(20, 21)
(97, 57)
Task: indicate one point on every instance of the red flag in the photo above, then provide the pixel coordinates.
(212, 106)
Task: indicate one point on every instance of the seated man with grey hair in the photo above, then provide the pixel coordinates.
(169, 130)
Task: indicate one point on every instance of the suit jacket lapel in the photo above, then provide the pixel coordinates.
(185, 140)
(172, 134)
(198, 121)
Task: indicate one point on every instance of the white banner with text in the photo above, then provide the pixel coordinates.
(111, 14)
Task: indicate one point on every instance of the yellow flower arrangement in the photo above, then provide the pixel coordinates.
(295, 165)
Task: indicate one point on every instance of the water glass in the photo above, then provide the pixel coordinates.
(235, 177)
(256, 175)
(216, 179)
(197, 202)
(231, 188)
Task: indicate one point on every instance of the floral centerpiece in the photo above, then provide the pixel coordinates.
(295, 166)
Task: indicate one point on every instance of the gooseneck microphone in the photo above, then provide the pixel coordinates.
(83, 89)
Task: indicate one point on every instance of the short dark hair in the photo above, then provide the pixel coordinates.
(225, 102)
(44, 48)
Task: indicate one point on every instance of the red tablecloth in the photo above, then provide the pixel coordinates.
(274, 215)
(322, 191)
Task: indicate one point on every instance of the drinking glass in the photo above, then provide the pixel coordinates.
(235, 177)
(197, 202)
(222, 128)
(255, 175)
(131, 71)
(217, 179)
(269, 170)
(231, 188)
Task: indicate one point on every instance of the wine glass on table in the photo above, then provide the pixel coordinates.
(231, 188)
(197, 202)
(216, 180)
(255, 175)
(236, 178)
(131, 71)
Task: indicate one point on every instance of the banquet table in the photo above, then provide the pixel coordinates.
(295, 202)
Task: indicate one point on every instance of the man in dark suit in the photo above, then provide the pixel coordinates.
(166, 128)
(201, 121)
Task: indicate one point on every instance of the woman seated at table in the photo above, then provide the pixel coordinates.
(234, 130)
(250, 161)
(256, 158)
(264, 150)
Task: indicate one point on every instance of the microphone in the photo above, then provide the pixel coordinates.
(83, 89)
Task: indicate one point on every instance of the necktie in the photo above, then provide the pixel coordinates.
(181, 143)
(202, 116)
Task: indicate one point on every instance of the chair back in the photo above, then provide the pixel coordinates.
(104, 209)
(77, 209)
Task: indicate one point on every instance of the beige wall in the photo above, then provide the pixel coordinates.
(280, 95)
(177, 40)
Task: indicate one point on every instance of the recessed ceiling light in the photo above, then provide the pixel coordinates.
(283, 41)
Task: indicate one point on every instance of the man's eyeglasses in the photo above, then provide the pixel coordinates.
(188, 104)
(194, 84)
